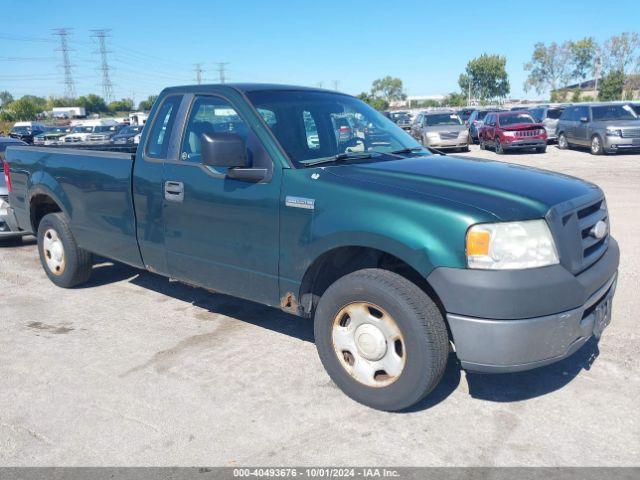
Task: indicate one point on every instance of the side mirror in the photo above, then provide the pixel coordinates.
(223, 150)
(584, 119)
(229, 150)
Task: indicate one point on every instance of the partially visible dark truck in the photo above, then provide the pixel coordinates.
(397, 253)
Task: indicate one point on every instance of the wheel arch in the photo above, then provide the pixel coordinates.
(43, 201)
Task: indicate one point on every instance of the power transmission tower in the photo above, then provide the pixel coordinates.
(221, 66)
(107, 87)
(198, 69)
(69, 85)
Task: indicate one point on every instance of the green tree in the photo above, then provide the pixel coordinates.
(124, 105)
(549, 67)
(611, 86)
(26, 108)
(583, 54)
(375, 102)
(5, 98)
(54, 102)
(388, 88)
(621, 52)
(145, 105)
(455, 100)
(486, 78)
(92, 103)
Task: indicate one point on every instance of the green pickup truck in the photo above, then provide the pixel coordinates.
(311, 201)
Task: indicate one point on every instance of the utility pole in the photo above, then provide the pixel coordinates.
(69, 85)
(320, 83)
(198, 70)
(335, 84)
(597, 63)
(107, 87)
(221, 66)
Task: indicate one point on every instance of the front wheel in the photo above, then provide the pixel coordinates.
(499, 147)
(596, 145)
(66, 264)
(563, 144)
(381, 339)
(541, 149)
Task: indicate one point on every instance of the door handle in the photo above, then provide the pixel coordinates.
(174, 191)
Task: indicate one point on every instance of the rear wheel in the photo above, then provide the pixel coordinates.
(381, 339)
(483, 146)
(66, 264)
(596, 145)
(563, 144)
(541, 149)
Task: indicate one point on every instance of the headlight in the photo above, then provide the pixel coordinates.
(510, 245)
(614, 132)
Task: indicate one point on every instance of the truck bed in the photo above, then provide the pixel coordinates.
(93, 188)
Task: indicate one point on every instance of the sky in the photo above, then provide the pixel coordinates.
(344, 44)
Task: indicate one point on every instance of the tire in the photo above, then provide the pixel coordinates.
(563, 144)
(596, 145)
(66, 264)
(483, 146)
(541, 149)
(420, 341)
(465, 149)
(499, 147)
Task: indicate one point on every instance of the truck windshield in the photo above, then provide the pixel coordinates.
(314, 125)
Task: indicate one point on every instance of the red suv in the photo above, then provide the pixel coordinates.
(518, 130)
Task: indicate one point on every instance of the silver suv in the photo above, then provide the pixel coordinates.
(441, 129)
(604, 127)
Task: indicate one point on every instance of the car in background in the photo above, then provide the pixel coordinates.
(464, 114)
(104, 133)
(549, 116)
(126, 135)
(83, 131)
(441, 130)
(512, 130)
(344, 130)
(51, 136)
(603, 127)
(402, 119)
(26, 131)
(8, 227)
(475, 122)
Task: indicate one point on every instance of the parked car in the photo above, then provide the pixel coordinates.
(82, 132)
(26, 131)
(512, 130)
(475, 122)
(549, 116)
(8, 227)
(603, 127)
(395, 252)
(51, 135)
(104, 133)
(402, 119)
(126, 135)
(441, 130)
(464, 114)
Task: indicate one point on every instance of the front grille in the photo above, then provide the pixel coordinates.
(448, 135)
(527, 133)
(631, 132)
(592, 247)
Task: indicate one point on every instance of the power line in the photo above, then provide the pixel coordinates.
(221, 67)
(107, 87)
(198, 69)
(69, 85)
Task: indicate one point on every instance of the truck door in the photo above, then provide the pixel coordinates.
(221, 233)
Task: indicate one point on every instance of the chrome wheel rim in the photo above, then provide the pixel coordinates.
(369, 344)
(595, 145)
(562, 141)
(53, 252)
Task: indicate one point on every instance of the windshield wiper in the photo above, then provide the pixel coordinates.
(339, 158)
(406, 150)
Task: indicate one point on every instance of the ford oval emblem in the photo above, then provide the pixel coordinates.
(599, 230)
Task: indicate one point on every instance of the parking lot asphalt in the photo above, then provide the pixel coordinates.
(133, 369)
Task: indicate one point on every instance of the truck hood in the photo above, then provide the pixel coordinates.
(506, 191)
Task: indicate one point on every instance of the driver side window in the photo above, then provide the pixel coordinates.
(209, 115)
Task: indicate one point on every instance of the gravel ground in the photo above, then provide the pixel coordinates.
(134, 369)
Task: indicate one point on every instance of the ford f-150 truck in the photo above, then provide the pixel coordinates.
(398, 253)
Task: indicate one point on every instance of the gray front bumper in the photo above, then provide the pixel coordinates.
(9, 225)
(500, 346)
